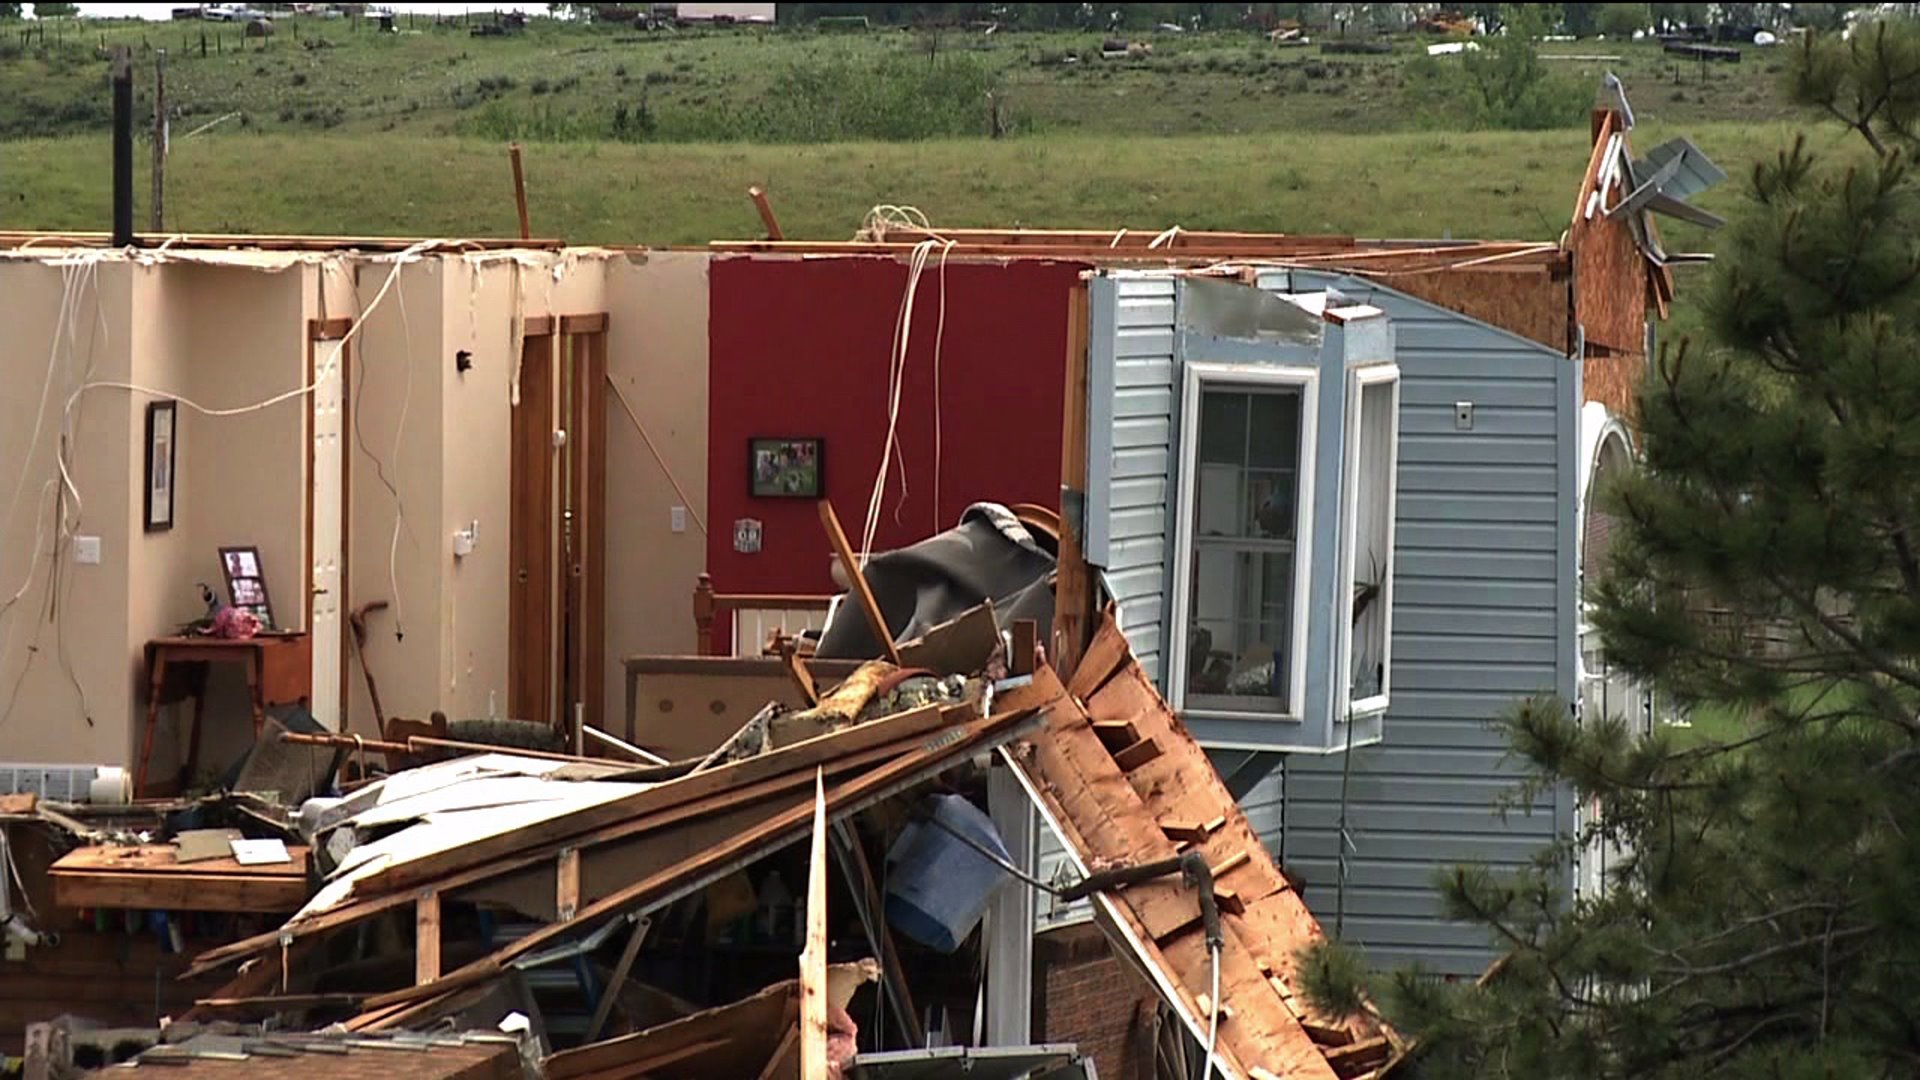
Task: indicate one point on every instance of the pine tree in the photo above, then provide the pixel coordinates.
(1765, 921)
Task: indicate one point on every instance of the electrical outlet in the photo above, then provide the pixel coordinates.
(1463, 415)
(86, 550)
(677, 519)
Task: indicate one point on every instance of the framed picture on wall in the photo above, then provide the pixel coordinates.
(162, 437)
(247, 582)
(785, 468)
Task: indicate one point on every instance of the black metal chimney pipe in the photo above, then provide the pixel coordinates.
(122, 147)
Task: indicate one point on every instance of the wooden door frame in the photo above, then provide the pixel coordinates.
(321, 330)
(586, 352)
(531, 684)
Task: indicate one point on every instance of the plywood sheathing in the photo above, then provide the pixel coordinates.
(1108, 815)
(1534, 302)
(1611, 280)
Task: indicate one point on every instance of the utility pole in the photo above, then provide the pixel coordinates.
(160, 133)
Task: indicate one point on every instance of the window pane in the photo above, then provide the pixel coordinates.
(1241, 628)
(1223, 427)
(1274, 430)
(1372, 559)
(1246, 506)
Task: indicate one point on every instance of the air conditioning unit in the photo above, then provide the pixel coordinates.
(59, 783)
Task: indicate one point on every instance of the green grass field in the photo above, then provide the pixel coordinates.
(1427, 184)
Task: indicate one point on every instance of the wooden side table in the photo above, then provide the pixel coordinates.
(279, 671)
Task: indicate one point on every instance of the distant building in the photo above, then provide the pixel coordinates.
(725, 13)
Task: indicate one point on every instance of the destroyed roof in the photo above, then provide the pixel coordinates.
(480, 1055)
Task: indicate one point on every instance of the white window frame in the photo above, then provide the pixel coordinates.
(1357, 381)
(1200, 376)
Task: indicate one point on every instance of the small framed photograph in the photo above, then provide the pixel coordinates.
(162, 438)
(786, 468)
(246, 582)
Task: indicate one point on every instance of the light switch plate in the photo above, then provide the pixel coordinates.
(677, 519)
(86, 550)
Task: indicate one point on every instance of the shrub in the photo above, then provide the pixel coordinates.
(1503, 84)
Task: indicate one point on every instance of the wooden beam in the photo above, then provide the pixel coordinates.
(813, 958)
(857, 580)
(765, 208)
(619, 978)
(657, 808)
(519, 190)
(850, 795)
(426, 938)
(782, 1055)
(1136, 755)
(1073, 588)
(566, 885)
(1026, 647)
(590, 323)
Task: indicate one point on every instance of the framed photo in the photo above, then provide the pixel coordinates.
(162, 438)
(785, 468)
(247, 582)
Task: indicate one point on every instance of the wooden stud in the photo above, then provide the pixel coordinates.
(1360, 1053)
(1181, 832)
(566, 886)
(1136, 755)
(426, 938)
(1116, 734)
(782, 1055)
(765, 208)
(1026, 647)
(1073, 588)
(857, 580)
(519, 190)
(1231, 863)
(611, 993)
(802, 678)
(1229, 902)
(813, 958)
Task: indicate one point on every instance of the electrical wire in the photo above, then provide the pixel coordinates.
(939, 339)
(1213, 1019)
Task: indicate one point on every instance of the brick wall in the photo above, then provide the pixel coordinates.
(1087, 995)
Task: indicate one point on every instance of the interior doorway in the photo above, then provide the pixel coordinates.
(556, 613)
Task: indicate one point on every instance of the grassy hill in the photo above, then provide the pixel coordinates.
(571, 80)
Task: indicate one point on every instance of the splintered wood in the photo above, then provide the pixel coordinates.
(1117, 803)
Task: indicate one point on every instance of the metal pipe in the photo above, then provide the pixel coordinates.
(122, 147)
(647, 756)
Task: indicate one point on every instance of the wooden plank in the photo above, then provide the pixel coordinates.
(426, 938)
(1026, 647)
(765, 209)
(566, 884)
(857, 580)
(1136, 755)
(785, 1057)
(163, 859)
(1073, 589)
(147, 890)
(640, 1067)
(813, 958)
(618, 979)
(776, 830)
(589, 323)
(1105, 653)
(906, 729)
(733, 779)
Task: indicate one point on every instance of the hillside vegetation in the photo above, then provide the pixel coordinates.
(569, 81)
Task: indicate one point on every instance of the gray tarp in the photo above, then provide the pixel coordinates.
(988, 556)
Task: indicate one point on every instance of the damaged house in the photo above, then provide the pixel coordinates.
(1141, 596)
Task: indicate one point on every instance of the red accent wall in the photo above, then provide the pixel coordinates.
(801, 347)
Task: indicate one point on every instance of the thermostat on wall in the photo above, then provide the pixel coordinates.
(746, 536)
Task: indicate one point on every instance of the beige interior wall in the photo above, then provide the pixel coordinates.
(48, 718)
(245, 483)
(657, 358)
(396, 359)
(161, 564)
(477, 489)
